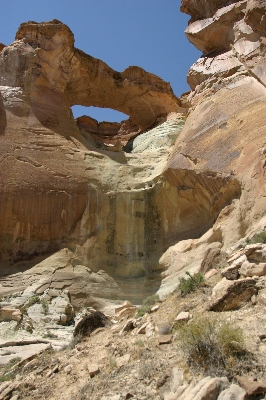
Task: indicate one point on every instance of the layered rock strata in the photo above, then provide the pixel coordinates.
(228, 102)
(106, 218)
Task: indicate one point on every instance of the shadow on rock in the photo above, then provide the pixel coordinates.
(90, 323)
(3, 121)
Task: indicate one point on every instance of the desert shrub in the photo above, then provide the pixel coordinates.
(32, 300)
(259, 237)
(45, 306)
(139, 343)
(190, 284)
(210, 345)
(147, 305)
(50, 335)
(112, 362)
(12, 362)
(165, 328)
(6, 374)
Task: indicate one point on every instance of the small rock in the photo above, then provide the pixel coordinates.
(93, 370)
(129, 326)
(235, 256)
(254, 299)
(149, 330)
(262, 336)
(121, 361)
(162, 380)
(252, 269)
(165, 339)
(155, 308)
(55, 369)
(49, 373)
(182, 317)
(142, 329)
(68, 368)
(231, 273)
(252, 387)
(210, 273)
(234, 392)
(15, 397)
(128, 395)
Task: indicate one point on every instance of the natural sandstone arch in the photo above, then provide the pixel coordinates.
(87, 81)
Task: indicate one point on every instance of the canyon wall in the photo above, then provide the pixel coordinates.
(113, 211)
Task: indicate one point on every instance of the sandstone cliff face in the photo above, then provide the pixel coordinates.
(228, 102)
(111, 215)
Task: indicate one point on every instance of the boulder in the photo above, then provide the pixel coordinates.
(216, 33)
(10, 314)
(231, 273)
(59, 310)
(126, 310)
(211, 258)
(90, 323)
(233, 294)
(234, 392)
(207, 388)
(255, 15)
(252, 386)
(252, 269)
(200, 9)
(22, 351)
(256, 252)
(261, 298)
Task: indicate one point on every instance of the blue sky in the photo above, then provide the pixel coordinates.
(147, 33)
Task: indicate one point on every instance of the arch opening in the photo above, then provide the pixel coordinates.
(104, 127)
(98, 113)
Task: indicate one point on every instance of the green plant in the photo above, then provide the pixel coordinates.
(139, 343)
(50, 335)
(165, 328)
(8, 375)
(190, 284)
(259, 237)
(211, 345)
(45, 306)
(112, 362)
(147, 305)
(12, 362)
(32, 300)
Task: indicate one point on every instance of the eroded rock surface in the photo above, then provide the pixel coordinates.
(119, 225)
